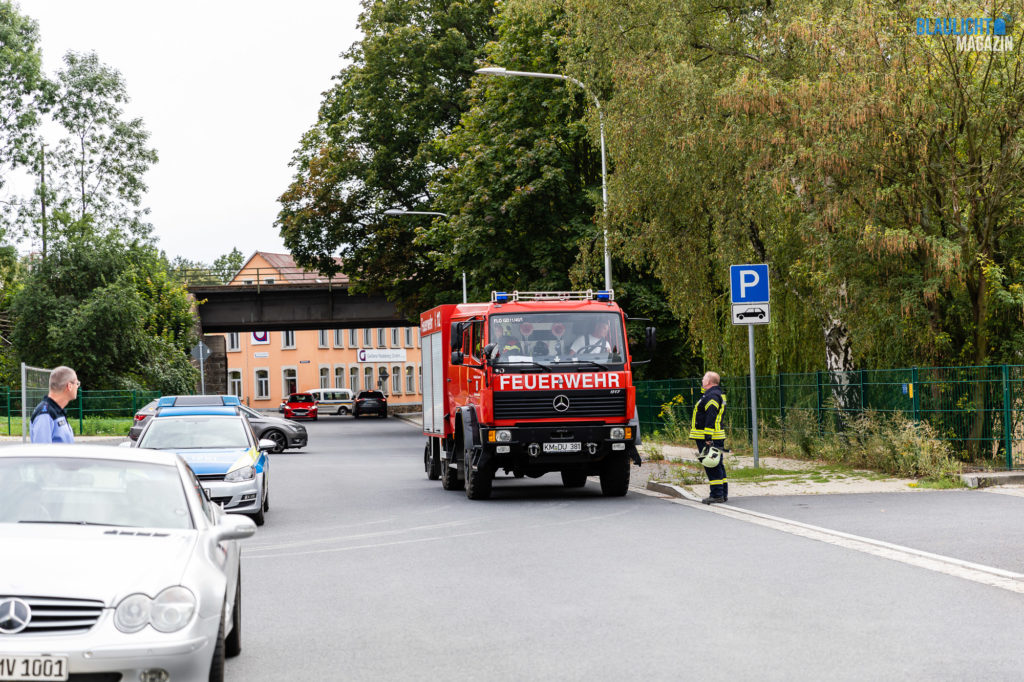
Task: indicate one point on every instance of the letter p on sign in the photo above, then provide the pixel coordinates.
(749, 283)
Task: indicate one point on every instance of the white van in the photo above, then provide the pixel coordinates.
(333, 400)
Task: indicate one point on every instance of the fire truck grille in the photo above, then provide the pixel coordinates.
(546, 404)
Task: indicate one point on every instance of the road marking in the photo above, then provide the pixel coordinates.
(979, 573)
(273, 551)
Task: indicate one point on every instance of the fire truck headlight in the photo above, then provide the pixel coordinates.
(618, 433)
(504, 436)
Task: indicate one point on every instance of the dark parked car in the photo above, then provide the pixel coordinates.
(285, 433)
(370, 402)
(300, 406)
(141, 417)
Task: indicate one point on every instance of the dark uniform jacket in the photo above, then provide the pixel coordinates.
(707, 415)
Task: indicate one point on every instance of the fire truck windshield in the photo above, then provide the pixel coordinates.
(590, 339)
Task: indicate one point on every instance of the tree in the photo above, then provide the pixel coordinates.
(105, 306)
(23, 89)
(93, 175)
(372, 147)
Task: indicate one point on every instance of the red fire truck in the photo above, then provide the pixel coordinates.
(530, 383)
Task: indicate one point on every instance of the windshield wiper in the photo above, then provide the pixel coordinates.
(546, 368)
(579, 362)
(74, 523)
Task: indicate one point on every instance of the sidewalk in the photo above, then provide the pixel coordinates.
(781, 477)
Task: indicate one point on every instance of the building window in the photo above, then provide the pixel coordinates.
(381, 337)
(421, 378)
(325, 377)
(408, 337)
(339, 338)
(262, 384)
(323, 338)
(339, 376)
(396, 379)
(367, 338)
(289, 381)
(353, 379)
(246, 281)
(395, 331)
(353, 338)
(368, 379)
(235, 382)
(288, 340)
(419, 340)
(410, 381)
(234, 343)
(268, 280)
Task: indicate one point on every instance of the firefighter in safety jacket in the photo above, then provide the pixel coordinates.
(706, 430)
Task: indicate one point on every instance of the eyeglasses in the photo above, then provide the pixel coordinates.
(75, 383)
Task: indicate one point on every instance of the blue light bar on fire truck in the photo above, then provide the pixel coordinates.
(516, 296)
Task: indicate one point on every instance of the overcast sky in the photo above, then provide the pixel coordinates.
(225, 87)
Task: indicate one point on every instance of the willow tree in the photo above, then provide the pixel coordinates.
(876, 170)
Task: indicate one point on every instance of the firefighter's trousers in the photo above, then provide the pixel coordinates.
(716, 474)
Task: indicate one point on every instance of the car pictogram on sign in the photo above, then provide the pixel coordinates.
(751, 312)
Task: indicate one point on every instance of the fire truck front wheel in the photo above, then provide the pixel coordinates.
(479, 481)
(615, 475)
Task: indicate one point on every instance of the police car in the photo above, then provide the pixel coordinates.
(216, 440)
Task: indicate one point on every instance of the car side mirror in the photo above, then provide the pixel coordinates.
(234, 527)
(266, 444)
(457, 357)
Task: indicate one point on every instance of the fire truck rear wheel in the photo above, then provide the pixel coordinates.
(449, 477)
(479, 482)
(615, 475)
(574, 479)
(431, 464)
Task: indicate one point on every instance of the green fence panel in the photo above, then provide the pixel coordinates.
(979, 411)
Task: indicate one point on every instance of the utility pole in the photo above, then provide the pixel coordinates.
(42, 193)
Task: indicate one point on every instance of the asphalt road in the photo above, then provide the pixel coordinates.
(365, 570)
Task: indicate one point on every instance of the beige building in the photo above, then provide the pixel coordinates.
(264, 367)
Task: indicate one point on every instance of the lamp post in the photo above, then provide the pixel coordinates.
(398, 211)
(501, 71)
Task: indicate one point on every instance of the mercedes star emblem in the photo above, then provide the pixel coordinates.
(560, 403)
(14, 616)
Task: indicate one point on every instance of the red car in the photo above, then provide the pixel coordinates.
(300, 406)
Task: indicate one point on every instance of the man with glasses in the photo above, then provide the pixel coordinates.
(49, 422)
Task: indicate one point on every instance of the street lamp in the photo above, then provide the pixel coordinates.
(501, 71)
(398, 211)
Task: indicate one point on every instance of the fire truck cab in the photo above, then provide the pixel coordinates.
(529, 383)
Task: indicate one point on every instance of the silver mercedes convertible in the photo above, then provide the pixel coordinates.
(115, 566)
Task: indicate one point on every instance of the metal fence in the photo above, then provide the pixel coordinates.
(978, 410)
(88, 404)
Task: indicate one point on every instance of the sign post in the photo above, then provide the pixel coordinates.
(200, 352)
(750, 306)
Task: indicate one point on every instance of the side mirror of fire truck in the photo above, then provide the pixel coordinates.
(457, 357)
(456, 340)
(489, 351)
(651, 338)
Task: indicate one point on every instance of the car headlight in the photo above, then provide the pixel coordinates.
(243, 474)
(503, 436)
(618, 433)
(132, 614)
(172, 609)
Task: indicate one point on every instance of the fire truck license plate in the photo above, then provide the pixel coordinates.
(561, 447)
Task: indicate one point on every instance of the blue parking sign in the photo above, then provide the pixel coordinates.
(749, 283)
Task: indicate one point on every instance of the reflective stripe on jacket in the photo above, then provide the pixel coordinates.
(707, 415)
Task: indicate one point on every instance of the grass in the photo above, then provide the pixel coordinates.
(91, 426)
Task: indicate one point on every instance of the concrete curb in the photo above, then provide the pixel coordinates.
(981, 479)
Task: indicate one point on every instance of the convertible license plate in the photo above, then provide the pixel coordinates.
(33, 667)
(561, 447)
